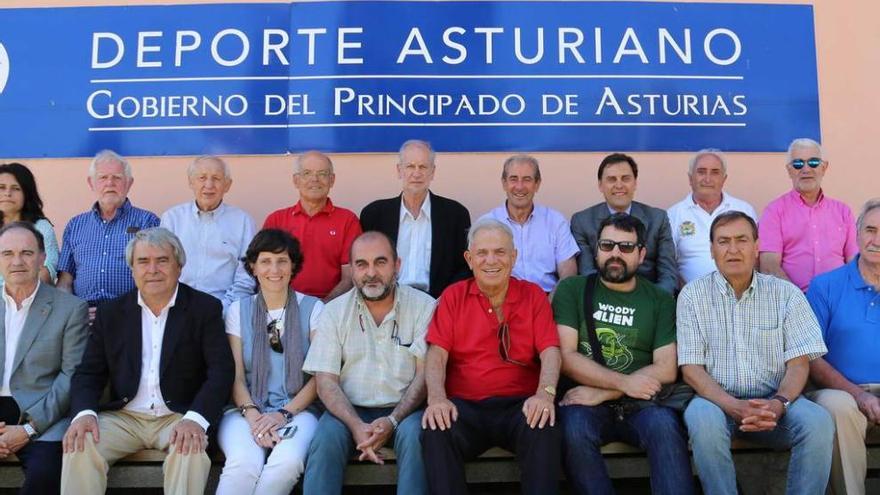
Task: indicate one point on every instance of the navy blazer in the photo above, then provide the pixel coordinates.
(659, 265)
(450, 222)
(196, 368)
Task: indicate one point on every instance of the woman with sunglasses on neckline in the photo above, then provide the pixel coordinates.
(269, 333)
(20, 202)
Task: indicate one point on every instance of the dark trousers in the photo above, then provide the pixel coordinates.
(482, 425)
(41, 461)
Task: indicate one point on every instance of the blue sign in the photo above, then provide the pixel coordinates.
(364, 76)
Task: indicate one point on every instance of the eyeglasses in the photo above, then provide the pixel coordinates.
(504, 344)
(274, 331)
(798, 163)
(395, 331)
(320, 174)
(625, 247)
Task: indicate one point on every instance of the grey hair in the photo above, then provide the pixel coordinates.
(707, 152)
(487, 223)
(105, 156)
(191, 169)
(804, 143)
(521, 159)
(298, 165)
(870, 205)
(156, 236)
(415, 142)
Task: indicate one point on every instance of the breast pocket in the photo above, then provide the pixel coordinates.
(768, 345)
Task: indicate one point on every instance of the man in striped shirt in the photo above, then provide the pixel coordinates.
(745, 341)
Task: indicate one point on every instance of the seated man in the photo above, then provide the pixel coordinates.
(163, 349)
(745, 341)
(43, 331)
(367, 354)
(491, 370)
(634, 323)
(847, 305)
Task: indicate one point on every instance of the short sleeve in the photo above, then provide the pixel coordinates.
(419, 346)
(817, 296)
(566, 247)
(691, 345)
(315, 317)
(271, 221)
(544, 326)
(803, 337)
(50, 243)
(325, 351)
(233, 319)
(66, 260)
(770, 229)
(664, 331)
(353, 229)
(441, 331)
(567, 302)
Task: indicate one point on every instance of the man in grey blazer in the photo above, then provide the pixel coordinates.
(618, 174)
(42, 337)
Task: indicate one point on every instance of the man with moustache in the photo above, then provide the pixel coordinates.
(430, 231)
(368, 356)
(492, 370)
(634, 326)
(691, 217)
(545, 248)
(847, 305)
(803, 232)
(745, 342)
(618, 177)
(215, 235)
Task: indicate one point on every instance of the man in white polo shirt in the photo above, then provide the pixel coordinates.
(691, 217)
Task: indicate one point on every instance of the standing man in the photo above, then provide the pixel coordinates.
(544, 245)
(618, 174)
(324, 230)
(691, 217)
(634, 324)
(42, 334)
(492, 370)
(803, 232)
(164, 352)
(745, 341)
(847, 305)
(368, 356)
(215, 235)
(430, 230)
(92, 265)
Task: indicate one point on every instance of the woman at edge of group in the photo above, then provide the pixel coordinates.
(269, 333)
(20, 202)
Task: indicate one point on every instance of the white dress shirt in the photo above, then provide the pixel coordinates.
(148, 399)
(214, 241)
(414, 246)
(15, 319)
(690, 232)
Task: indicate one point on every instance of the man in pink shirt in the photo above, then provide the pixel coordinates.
(803, 232)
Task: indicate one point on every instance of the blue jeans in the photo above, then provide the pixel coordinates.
(333, 445)
(806, 428)
(657, 430)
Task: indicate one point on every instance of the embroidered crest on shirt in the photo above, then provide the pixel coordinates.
(687, 228)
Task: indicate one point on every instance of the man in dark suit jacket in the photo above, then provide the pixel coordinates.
(618, 174)
(42, 336)
(164, 351)
(430, 231)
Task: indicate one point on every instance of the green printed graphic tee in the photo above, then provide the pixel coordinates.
(630, 325)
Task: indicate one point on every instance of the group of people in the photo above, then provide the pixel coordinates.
(325, 335)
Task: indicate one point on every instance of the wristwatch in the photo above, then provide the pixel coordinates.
(288, 416)
(781, 398)
(31, 432)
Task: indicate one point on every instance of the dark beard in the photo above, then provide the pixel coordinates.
(616, 276)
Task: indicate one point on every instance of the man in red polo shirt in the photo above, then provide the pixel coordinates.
(324, 231)
(491, 370)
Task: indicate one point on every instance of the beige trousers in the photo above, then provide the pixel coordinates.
(849, 464)
(123, 433)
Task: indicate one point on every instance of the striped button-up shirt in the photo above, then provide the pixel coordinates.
(744, 343)
(93, 251)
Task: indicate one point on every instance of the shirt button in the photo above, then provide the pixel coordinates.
(102, 270)
(490, 310)
(105, 253)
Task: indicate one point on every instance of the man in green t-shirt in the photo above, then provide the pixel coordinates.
(635, 326)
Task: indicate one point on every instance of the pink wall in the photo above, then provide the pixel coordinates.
(848, 43)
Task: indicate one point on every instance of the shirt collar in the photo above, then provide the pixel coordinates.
(197, 213)
(362, 309)
(854, 275)
(170, 304)
(514, 290)
(727, 289)
(506, 212)
(693, 203)
(10, 302)
(328, 208)
(613, 211)
(796, 196)
(424, 210)
(122, 210)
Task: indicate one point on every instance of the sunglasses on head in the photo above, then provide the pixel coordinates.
(626, 247)
(799, 163)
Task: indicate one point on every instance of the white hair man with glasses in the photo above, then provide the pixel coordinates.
(368, 356)
(324, 230)
(492, 369)
(803, 232)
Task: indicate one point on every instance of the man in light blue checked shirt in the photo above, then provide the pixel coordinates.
(745, 341)
(92, 263)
